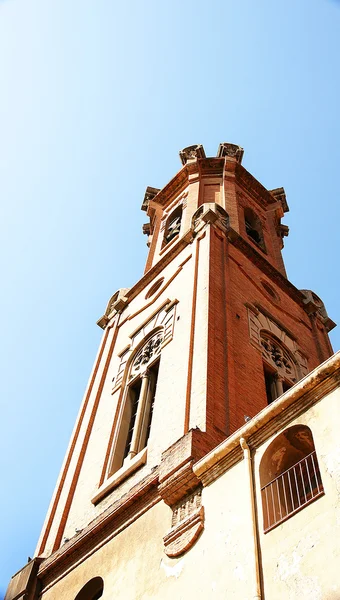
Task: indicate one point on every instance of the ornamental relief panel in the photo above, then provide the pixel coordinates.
(260, 328)
(165, 319)
(186, 526)
(278, 358)
(147, 354)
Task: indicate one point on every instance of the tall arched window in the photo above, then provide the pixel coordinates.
(137, 410)
(280, 370)
(289, 475)
(173, 225)
(92, 590)
(253, 227)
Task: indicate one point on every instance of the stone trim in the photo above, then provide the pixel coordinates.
(261, 324)
(119, 476)
(164, 318)
(106, 526)
(187, 525)
(304, 394)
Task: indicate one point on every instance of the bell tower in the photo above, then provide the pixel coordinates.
(210, 335)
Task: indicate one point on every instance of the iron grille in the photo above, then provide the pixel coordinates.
(292, 490)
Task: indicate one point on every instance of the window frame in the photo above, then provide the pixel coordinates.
(291, 489)
(178, 211)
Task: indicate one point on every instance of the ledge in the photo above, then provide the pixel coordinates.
(306, 392)
(124, 511)
(123, 473)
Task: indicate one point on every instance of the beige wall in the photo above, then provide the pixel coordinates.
(299, 558)
(172, 384)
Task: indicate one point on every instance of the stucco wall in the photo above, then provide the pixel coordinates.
(299, 558)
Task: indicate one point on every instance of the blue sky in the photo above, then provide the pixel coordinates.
(97, 98)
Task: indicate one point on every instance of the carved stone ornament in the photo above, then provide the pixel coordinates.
(232, 150)
(147, 353)
(210, 212)
(150, 193)
(278, 358)
(280, 195)
(116, 303)
(187, 524)
(276, 345)
(315, 305)
(165, 318)
(191, 153)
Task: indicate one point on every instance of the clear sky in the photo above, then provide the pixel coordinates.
(97, 98)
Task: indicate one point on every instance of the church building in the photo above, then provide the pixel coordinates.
(204, 462)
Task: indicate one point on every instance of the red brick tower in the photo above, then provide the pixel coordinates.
(263, 334)
(211, 333)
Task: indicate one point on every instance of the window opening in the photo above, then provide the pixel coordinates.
(153, 386)
(280, 371)
(92, 590)
(290, 475)
(134, 393)
(253, 227)
(269, 377)
(275, 385)
(173, 225)
(135, 423)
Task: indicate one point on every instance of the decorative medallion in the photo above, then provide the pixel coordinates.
(147, 353)
(187, 524)
(279, 358)
(191, 153)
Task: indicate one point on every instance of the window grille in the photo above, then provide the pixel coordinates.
(292, 490)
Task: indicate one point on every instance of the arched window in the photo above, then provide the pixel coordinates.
(92, 590)
(253, 227)
(289, 475)
(280, 371)
(135, 422)
(173, 225)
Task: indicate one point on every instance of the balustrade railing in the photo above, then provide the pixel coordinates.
(291, 491)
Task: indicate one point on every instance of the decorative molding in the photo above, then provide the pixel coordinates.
(251, 186)
(180, 489)
(273, 418)
(187, 525)
(164, 318)
(210, 212)
(146, 354)
(257, 258)
(150, 193)
(116, 304)
(260, 325)
(191, 153)
(280, 195)
(230, 150)
(314, 304)
(278, 358)
(129, 467)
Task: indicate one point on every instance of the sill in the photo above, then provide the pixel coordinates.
(167, 246)
(291, 514)
(123, 473)
(257, 245)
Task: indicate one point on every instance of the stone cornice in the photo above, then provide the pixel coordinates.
(174, 187)
(174, 251)
(249, 184)
(254, 255)
(307, 392)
